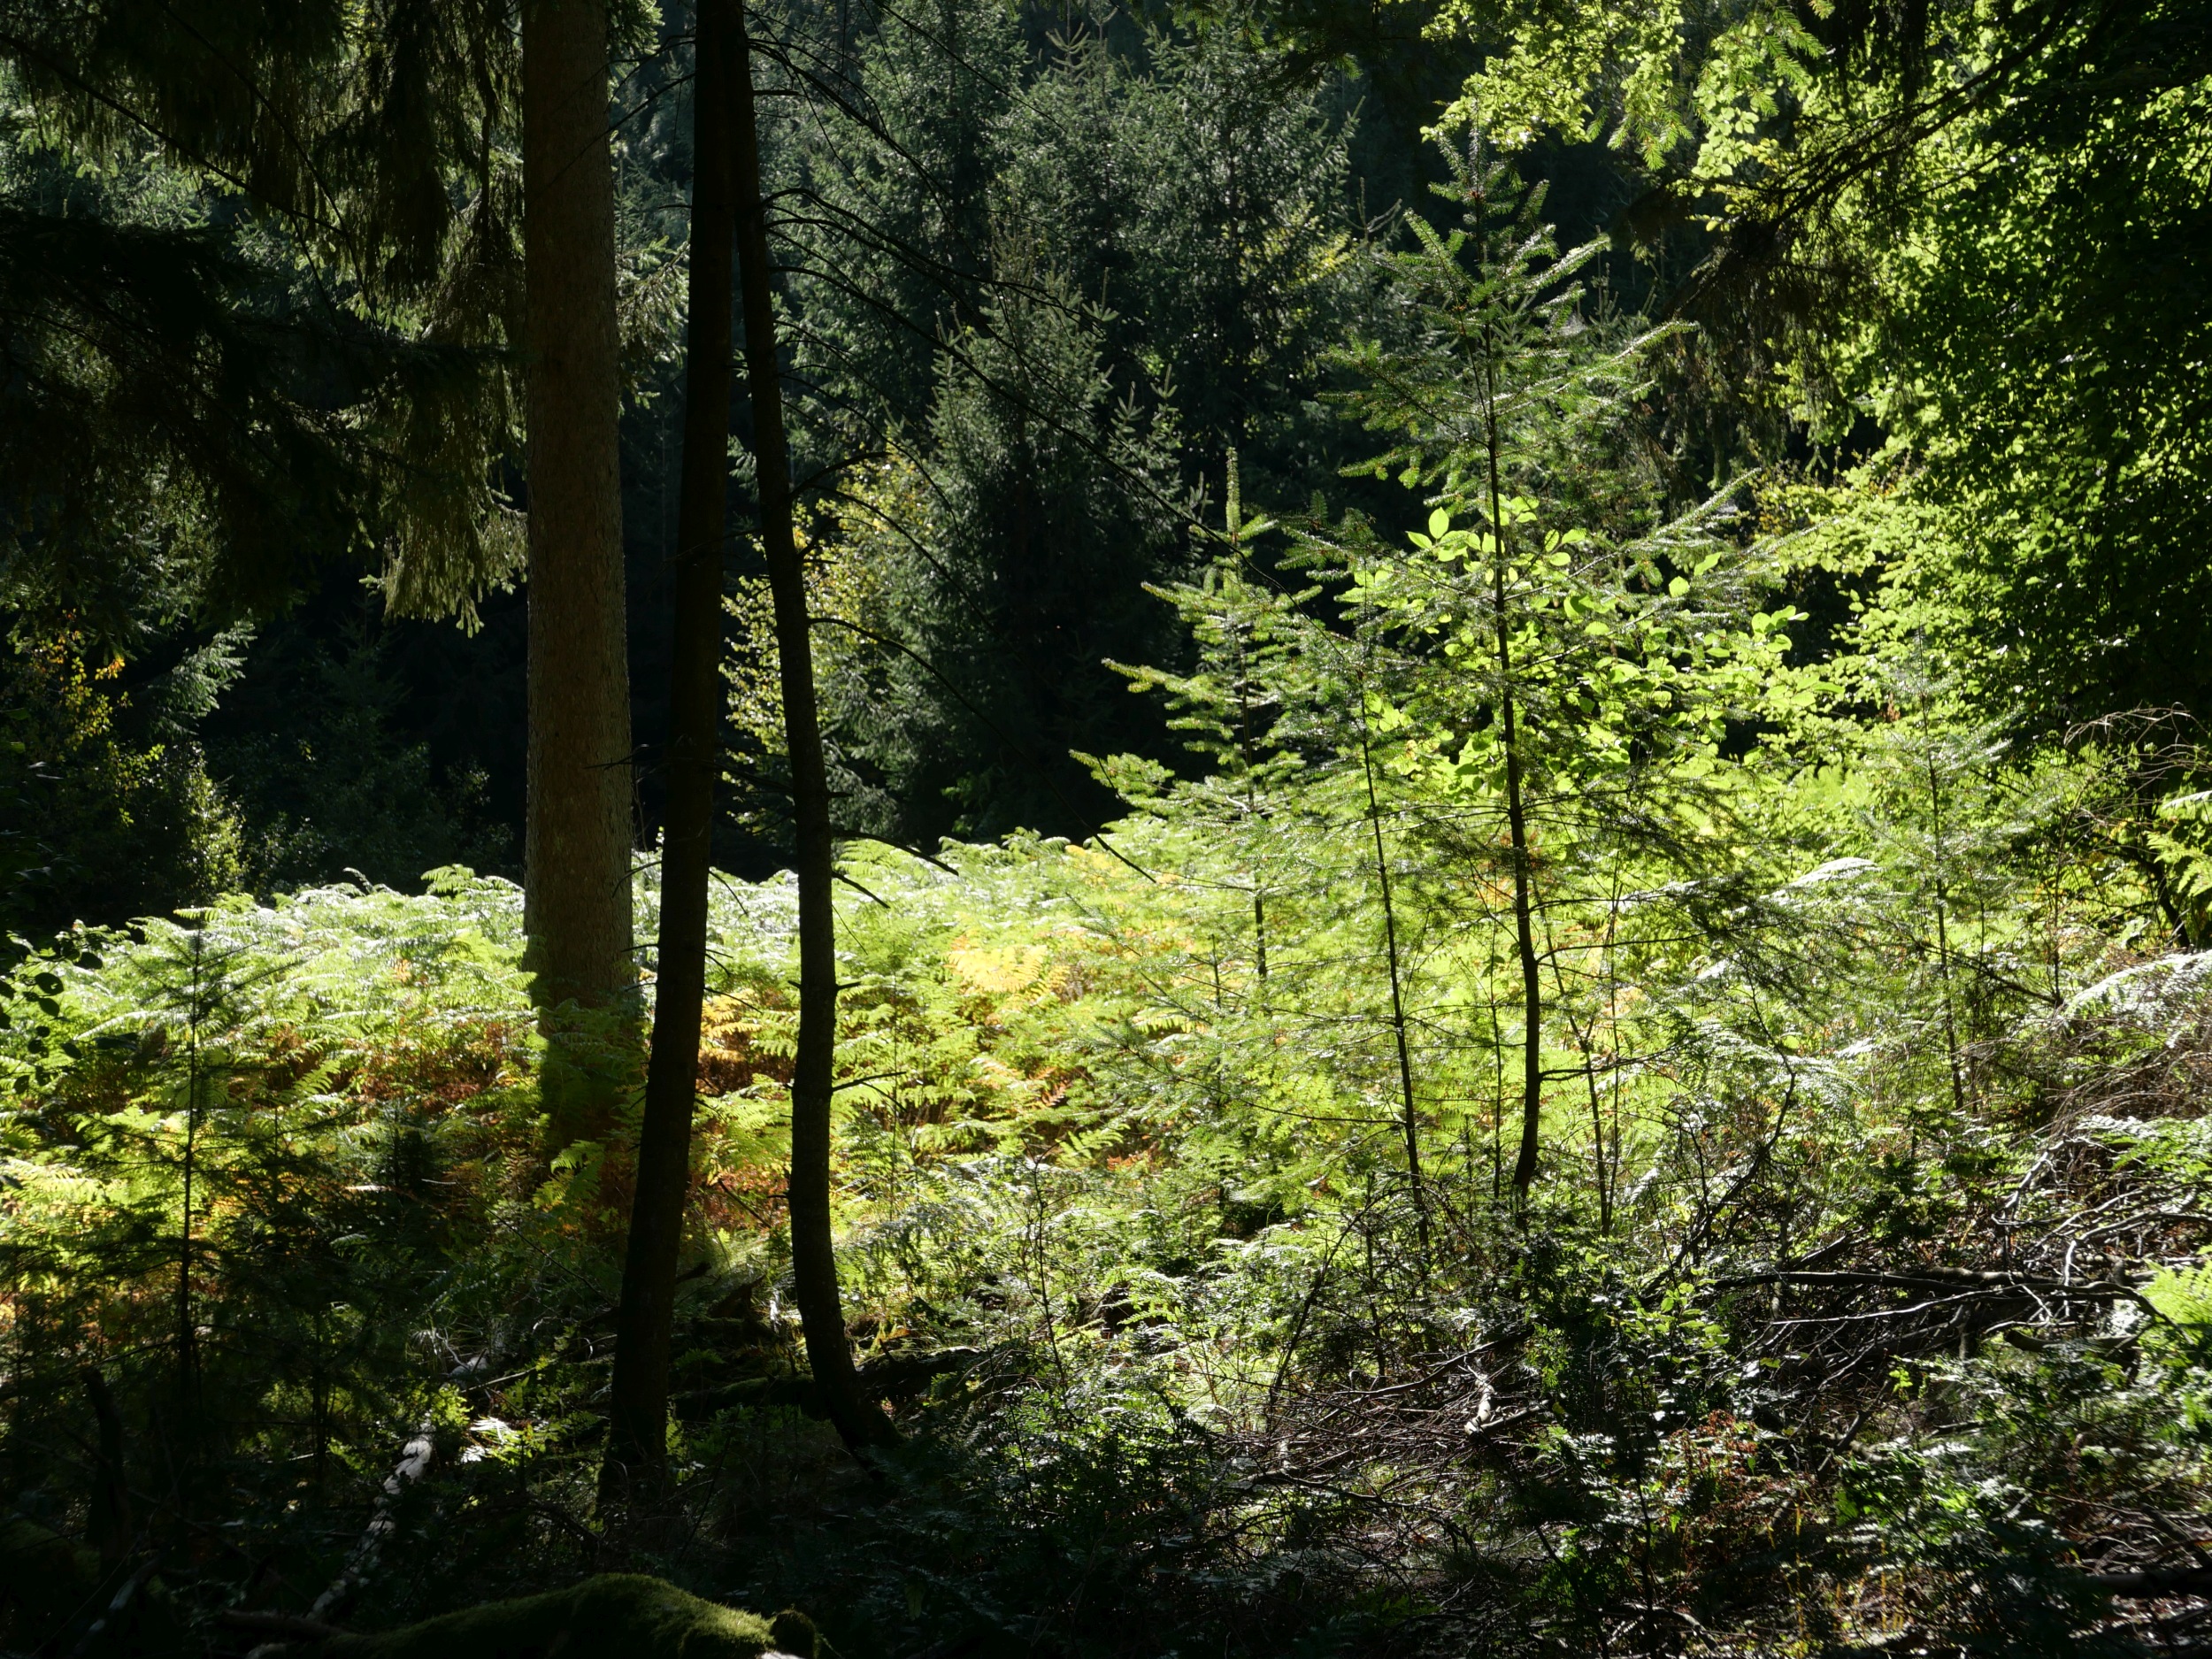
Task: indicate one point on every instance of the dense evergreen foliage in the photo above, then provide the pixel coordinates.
(1521, 957)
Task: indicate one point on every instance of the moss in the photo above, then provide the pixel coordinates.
(620, 1615)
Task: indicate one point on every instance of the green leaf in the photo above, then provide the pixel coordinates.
(2183, 1294)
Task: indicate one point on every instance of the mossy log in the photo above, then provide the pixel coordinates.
(617, 1616)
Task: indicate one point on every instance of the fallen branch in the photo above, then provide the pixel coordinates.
(414, 1464)
(1971, 1284)
(2154, 1582)
(1922, 1279)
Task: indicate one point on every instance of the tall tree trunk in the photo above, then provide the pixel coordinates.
(813, 1261)
(576, 905)
(637, 1449)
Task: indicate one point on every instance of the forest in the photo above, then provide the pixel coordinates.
(1288, 829)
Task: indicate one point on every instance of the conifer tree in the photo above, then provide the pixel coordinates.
(186, 394)
(1566, 659)
(1244, 706)
(1053, 290)
(368, 140)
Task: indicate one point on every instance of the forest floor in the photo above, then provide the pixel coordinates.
(1833, 1349)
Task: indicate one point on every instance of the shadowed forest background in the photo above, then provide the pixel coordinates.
(1253, 829)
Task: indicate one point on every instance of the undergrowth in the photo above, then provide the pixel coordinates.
(1860, 1304)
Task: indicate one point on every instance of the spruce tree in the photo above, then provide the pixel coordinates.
(369, 144)
(1567, 658)
(1041, 291)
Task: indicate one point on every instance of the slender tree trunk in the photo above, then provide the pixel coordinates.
(1516, 829)
(637, 1448)
(813, 1261)
(188, 1336)
(1252, 808)
(577, 840)
(1586, 1043)
(1942, 916)
(1410, 1122)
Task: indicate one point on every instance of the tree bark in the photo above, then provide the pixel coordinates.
(637, 1448)
(110, 1521)
(576, 904)
(813, 1261)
